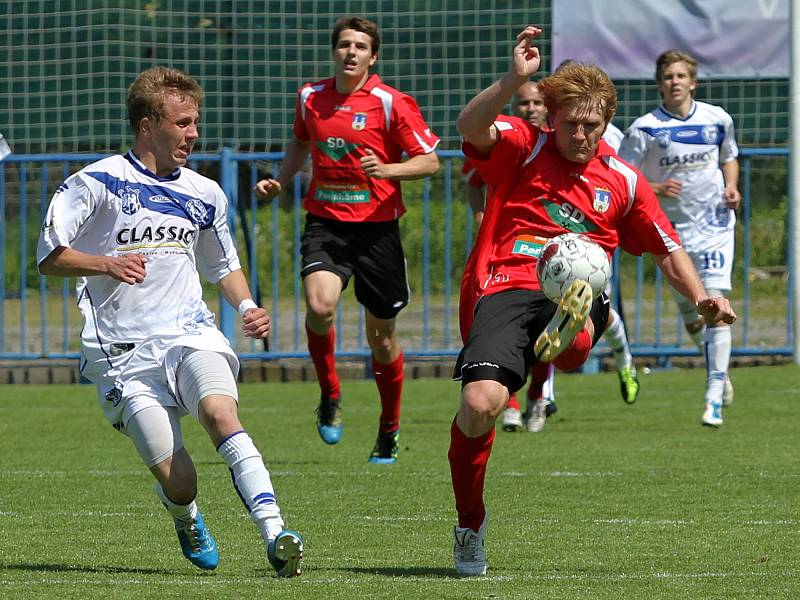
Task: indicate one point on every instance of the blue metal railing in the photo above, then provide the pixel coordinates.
(427, 328)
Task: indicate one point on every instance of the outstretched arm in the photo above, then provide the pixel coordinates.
(296, 153)
(476, 121)
(680, 272)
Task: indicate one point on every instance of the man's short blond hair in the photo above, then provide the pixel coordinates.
(148, 93)
(586, 87)
(673, 56)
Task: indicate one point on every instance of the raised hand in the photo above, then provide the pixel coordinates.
(526, 59)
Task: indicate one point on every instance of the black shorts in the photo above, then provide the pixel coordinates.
(499, 346)
(371, 251)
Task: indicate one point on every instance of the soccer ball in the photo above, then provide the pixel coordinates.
(568, 257)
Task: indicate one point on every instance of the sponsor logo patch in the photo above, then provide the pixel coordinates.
(529, 245)
(348, 193)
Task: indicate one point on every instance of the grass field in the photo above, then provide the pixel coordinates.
(610, 501)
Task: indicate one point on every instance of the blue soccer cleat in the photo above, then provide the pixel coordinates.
(329, 420)
(197, 543)
(285, 553)
(712, 415)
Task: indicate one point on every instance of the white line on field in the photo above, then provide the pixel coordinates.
(195, 582)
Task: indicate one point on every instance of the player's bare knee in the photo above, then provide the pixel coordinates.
(320, 312)
(484, 400)
(219, 416)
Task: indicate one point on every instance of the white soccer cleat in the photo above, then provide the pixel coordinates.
(511, 420)
(712, 415)
(469, 551)
(569, 318)
(727, 392)
(537, 415)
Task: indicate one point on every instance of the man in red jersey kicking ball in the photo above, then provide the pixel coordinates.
(356, 128)
(542, 184)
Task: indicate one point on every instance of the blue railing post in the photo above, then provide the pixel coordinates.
(227, 313)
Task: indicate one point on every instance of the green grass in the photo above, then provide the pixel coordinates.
(610, 501)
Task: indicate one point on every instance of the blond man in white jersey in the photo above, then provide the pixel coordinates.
(134, 229)
(687, 150)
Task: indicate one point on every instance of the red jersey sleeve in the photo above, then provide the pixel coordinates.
(471, 175)
(516, 138)
(645, 227)
(409, 129)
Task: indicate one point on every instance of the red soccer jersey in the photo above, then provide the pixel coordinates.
(536, 194)
(340, 128)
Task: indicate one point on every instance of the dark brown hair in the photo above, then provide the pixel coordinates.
(356, 24)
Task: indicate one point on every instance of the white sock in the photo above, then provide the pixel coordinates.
(182, 512)
(617, 338)
(549, 386)
(718, 357)
(252, 482)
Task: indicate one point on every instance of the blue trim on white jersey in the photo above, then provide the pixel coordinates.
(139, 166)
(159, 199)
(672, 115)
(689, 134)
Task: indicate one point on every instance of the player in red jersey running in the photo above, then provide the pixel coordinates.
(357, 129)
(542, 185)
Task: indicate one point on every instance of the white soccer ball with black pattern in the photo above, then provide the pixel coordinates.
(568, 257)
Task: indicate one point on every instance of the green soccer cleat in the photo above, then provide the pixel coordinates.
(628, 384)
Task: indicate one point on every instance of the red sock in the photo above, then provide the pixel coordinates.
(468, 460)
(513, 402)
(577, 353)
(322, 354)
(389, 379)
(539, 374)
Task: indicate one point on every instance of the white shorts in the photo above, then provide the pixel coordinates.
(713, 259)
(145, 376)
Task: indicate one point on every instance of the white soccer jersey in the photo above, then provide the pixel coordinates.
(613, 136)
(664, 146)
(117, 206)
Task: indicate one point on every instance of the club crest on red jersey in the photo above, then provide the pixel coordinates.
(602, 199)
(359, 121)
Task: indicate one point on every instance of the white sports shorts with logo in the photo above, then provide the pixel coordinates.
(145, 375)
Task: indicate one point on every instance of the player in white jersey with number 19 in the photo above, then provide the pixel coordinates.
(687, 151)
(134, 229)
